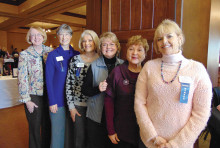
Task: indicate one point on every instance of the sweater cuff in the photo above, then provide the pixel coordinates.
(25, 100)
(173, 144)
(111, 131)
(147, 137)
(71, 106)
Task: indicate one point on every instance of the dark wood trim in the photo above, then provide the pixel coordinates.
(74, 15)
(13, 2)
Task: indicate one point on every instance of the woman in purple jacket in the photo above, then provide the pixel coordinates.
(119, 101)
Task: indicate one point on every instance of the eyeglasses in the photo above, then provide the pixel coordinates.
(105, 45)
(36, 35)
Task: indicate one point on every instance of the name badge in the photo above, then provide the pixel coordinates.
(78, 71)
(185, 87)
(80, 65)
(185, 79)
(60, 58)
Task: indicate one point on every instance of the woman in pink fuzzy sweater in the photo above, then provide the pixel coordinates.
(173, 94)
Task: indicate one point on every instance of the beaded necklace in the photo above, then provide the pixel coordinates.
(173, 77)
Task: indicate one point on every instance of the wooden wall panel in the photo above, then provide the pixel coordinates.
(163, 9)
(124, 51)
(105, 16)
(138, 17)
(170, 9)
(159, 11)
(125, 17)
(93, 15)
(115, 15)
(179, 10)
(147, 14)
(150, 51)
(136, 14)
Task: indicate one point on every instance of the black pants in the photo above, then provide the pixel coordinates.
(80, 128)
(123, 144)
(97, 135)
(39, 123)
(141, 144)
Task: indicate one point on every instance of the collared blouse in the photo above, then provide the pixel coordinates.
(30, 72)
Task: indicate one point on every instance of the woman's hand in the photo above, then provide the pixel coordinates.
(54, 108)
(30, 106)
(103, 86)
(114, 138)
(218, 107)
(159, 141)
(166, 145)
(73, 113)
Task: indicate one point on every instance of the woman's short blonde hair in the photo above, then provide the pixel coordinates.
(111, 36)
(138, 40)
(95, 39)
(40, 30)
(168, 26)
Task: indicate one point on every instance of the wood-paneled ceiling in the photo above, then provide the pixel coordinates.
(48, 14)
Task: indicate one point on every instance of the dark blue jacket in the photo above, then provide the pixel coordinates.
(56, 72)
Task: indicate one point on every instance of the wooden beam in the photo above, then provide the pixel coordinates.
(9, 9)
(74, 15)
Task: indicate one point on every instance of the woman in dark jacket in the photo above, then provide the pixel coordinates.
(119, 101)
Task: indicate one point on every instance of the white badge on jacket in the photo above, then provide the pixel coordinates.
(80, 65)
(185, 79)
(60, 58)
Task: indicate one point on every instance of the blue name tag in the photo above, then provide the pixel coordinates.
(61, 67)
(78, 71)
(185, 87)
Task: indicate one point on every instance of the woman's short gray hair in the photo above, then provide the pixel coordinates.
(66, 28)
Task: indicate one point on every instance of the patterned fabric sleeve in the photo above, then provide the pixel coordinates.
(70, 83)
(23, 85)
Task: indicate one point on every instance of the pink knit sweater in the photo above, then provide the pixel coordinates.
(157, 105)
